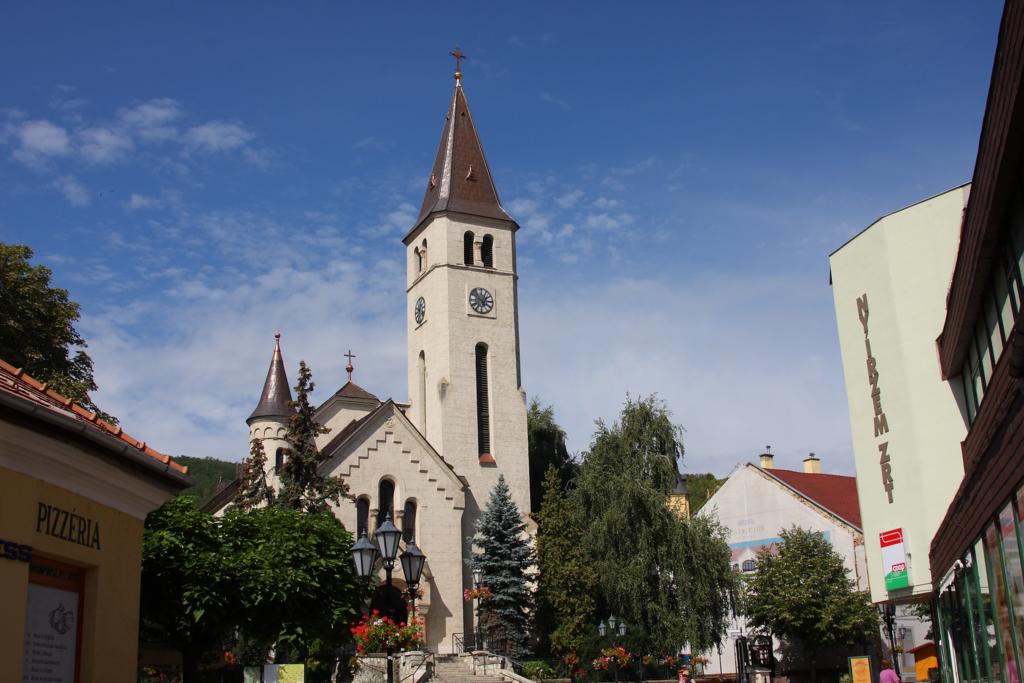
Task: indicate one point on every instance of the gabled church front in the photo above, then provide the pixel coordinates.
(432, 462)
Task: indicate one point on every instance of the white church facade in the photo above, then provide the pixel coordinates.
(432, 462)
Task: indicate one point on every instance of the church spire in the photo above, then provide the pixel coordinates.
(276, 398)
(460, 180)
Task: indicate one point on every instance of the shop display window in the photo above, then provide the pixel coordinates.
(1000, 603)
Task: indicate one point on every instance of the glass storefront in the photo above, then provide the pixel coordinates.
(980, 609)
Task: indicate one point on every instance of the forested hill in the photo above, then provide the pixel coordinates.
(206, 472)
(702, 487)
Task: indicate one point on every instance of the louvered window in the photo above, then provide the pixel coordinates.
(423, 392)
(385, 500)
(409, 522)
(467, 248)
(278, 459)
(483, 411)
(487, 251)
(362, 516)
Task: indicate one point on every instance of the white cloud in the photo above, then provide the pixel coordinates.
(605, 203)
(138, 201)
(689, 338)
(103, 145)
(569, 199)
(551, 99)
(40, 139)
(152, 120)
(217, 136)
(73, 190)
(605, 221)
(522, 207)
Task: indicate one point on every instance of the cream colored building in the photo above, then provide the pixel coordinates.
(432, 461)
(889, 284)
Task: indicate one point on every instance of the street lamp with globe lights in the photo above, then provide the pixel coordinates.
(365, 554)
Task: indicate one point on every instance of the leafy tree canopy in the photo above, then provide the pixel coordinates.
(37, 328)
(271, 577)
(701, 487)
(253, 489)
(504, 557)
(567, 582)
(667, 577)
(547, 449)
(802, 592)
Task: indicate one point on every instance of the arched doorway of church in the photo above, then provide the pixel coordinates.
(390, 604)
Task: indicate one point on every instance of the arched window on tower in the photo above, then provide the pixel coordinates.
(467, 248)
(362, 516)
(409, 522)
(278, 459)
(483, 411)
(422, 396)
(487, 251)
(385, 500)
(418, 255)
(423, 256)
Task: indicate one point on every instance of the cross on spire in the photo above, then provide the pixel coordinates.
(349, 368)
(459, 56)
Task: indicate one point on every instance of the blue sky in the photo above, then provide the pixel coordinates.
(202, 175)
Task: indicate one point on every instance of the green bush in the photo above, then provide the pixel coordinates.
(537, 670)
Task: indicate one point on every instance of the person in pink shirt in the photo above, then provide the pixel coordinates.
(888, 674)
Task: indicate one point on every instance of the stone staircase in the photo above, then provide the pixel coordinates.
(455, 669)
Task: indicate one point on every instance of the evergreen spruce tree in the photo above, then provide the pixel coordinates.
(253, 489)
(302, 485)
(504, 558)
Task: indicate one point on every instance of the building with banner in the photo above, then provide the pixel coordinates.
(74, 492)
(889, 284)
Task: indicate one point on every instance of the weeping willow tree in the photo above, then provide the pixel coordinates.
(667, 577)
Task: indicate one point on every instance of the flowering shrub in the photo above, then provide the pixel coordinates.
(572, 665)
(670, 661)
(649, 660)
(609, 655)
(482, 593)
(375, 633)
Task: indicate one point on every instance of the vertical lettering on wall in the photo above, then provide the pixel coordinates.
(880, 422)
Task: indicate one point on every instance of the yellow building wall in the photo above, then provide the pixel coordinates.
(111, 601)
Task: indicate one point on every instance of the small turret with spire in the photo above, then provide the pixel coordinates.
(269, 422)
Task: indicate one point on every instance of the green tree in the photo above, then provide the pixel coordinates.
(546, 441)
(802, 592)
(270, 577)
(566, 582)
(189, 585)
(669, 578)
(37, 328)
(297, 584)
(303, 487)
(253, 490)
(206, 474)
(701, 487)
(504, 557)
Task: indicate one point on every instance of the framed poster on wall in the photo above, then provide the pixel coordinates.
(53, 624)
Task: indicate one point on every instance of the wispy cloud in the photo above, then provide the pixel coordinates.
(40, 140)
(73, 190)
(103, 145)
(218, 136)
(551, 99)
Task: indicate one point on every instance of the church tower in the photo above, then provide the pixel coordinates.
(269, 422)
(463, 321)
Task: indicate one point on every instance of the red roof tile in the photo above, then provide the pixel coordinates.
(14, 381)
(837, 493)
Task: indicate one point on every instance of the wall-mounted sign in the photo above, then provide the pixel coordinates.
(880, 421)
(9, 550)
(67, 526)
(860, 669)
(894, 560)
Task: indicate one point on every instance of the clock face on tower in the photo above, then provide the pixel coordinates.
(421, 310)
(480, 300)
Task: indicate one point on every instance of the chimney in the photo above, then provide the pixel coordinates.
(767, 459)
(812, 464)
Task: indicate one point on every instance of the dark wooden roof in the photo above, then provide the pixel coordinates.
(460, 180)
